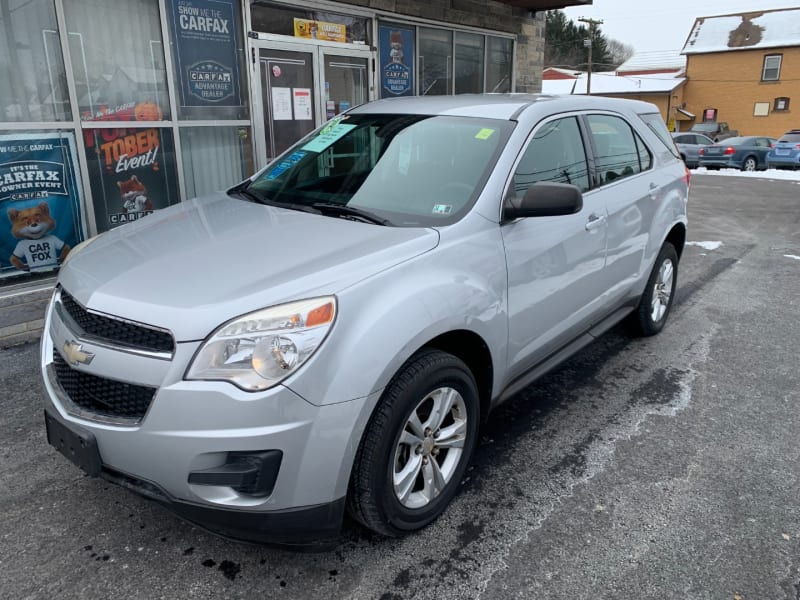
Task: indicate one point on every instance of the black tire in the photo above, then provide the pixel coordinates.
(372, 499)
(641, 321)
(750, 160)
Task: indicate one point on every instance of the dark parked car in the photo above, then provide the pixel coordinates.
(689, 145)
(716, 130)
(786, 153)
(745, 153)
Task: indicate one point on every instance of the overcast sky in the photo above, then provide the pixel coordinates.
(648, 25)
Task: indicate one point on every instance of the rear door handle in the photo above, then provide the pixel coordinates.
(595, 221)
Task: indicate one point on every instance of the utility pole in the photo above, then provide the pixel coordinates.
(588, 44)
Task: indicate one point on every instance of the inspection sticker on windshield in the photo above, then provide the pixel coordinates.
(442, 209)
(484, 134)
(327, 137)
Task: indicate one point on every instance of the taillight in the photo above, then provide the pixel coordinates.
(729, 150)
(688, 177)
(797, 146)
(702, 151)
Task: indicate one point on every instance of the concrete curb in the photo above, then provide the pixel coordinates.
(22, 311)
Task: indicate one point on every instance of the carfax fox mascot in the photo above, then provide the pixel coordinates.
(37, 249)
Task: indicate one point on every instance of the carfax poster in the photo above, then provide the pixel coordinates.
(40, 208)
(132, 173)
(396, 60)
(206, 41)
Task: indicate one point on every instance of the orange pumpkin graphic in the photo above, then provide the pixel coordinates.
(147, 111)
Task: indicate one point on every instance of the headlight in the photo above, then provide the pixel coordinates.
(258, 350)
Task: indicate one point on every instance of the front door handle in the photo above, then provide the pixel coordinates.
(595, 221)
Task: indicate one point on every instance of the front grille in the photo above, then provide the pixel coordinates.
(115, 331)
(101, 396)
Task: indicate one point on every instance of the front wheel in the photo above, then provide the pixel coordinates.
(750, 164)
(416, 446)
(654, 305)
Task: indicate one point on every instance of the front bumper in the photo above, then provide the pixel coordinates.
(193, 427)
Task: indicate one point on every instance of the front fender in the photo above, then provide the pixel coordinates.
(382, 321)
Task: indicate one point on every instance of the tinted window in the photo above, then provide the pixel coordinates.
(790, 138)
(657, 126)
(555, 153)
(617, 147)
(684, 139)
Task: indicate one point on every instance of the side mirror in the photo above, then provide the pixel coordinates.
(545, 199)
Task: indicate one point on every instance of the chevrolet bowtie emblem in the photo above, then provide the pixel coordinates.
(74, 353)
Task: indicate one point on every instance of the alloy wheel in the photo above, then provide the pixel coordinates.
(430, 448)
(662, 291)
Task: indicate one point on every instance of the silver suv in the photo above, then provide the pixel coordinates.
(330, 334)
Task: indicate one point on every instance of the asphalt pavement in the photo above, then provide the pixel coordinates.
(667, 467)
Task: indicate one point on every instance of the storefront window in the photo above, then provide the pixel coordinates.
(435, 61)
(206, 39)
(39, 183)
(215, 158)
(117, 57)
(33, 86)
(302, 22)
(498, 71)
(469, 63)
(132, 173)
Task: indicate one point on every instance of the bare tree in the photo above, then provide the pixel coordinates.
(619, 51)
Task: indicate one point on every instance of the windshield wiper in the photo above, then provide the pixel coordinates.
(350, 211)
(244, 190)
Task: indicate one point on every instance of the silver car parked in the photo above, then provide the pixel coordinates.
(330, 334)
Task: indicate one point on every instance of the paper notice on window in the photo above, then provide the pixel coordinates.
(302, 104)
(281, 104)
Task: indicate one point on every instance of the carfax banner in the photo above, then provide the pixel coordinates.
(396, 60)
(206, 40)
(40, 206)
(132, 173)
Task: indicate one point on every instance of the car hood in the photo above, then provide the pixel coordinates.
(195, 265)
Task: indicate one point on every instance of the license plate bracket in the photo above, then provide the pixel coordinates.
(78, 445)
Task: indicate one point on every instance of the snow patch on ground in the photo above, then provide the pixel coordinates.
(705, 245)
(768, 174)
(791, 256)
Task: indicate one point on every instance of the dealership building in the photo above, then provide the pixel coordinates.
(110, 110)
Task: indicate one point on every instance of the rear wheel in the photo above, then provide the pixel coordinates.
(656, 302)
(749, 164)
(417, 445)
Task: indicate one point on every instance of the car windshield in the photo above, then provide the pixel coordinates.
(705, 127)
(400, 170)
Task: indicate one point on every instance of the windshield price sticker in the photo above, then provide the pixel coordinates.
(484, 134)
(327, 137)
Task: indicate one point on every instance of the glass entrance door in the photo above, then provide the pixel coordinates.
(302, 86)
(346, 82)
(288, 93)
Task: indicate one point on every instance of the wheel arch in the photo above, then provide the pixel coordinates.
(677, 237)
(473, 350)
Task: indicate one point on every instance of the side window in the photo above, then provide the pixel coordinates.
(620, 152)
(555, 153)
(684, 139)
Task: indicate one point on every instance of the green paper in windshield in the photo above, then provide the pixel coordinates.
(484, 134)
(327, 137)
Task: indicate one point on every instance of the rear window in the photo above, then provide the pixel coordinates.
(657, 126)
(790, 138)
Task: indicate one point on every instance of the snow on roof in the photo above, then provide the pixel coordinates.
(745, 31)
(610, 83)
(659, 60)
